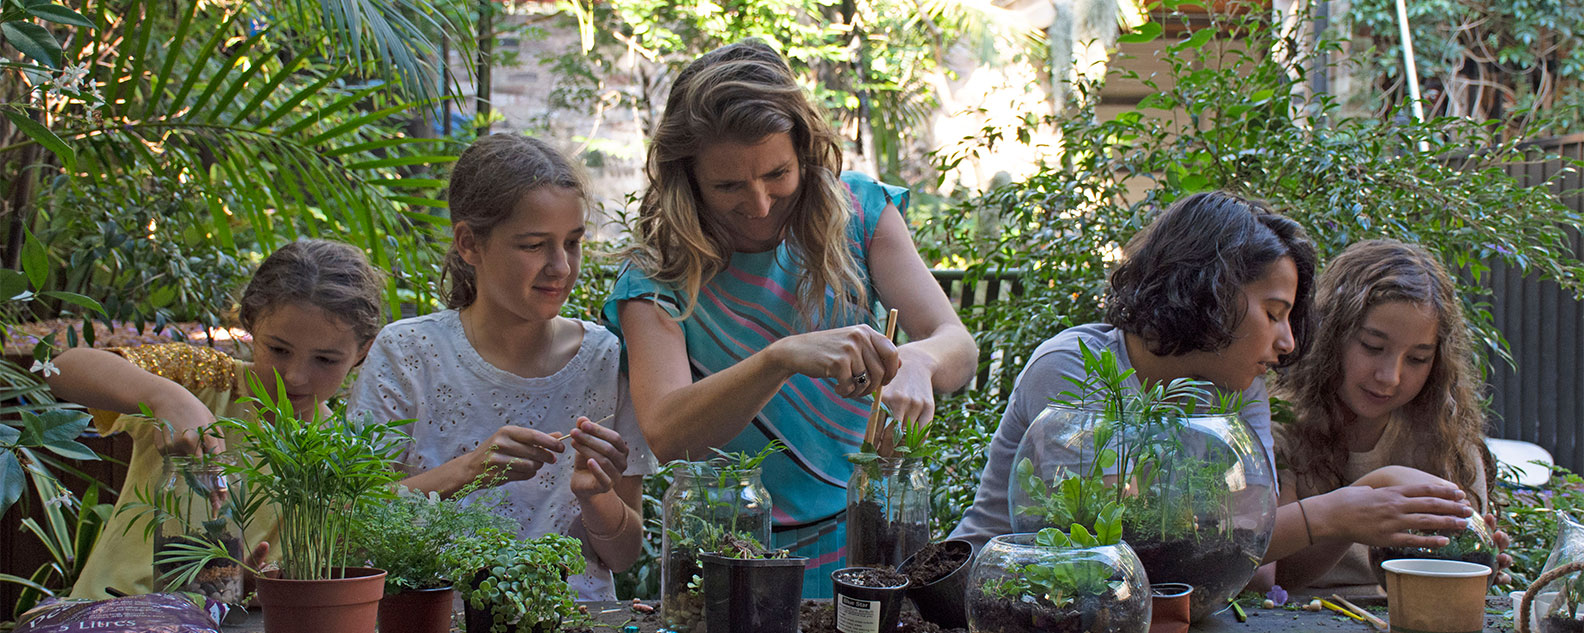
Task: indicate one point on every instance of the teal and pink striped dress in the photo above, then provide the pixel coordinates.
(741, 311)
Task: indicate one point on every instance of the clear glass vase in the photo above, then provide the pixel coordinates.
(196, 512)
(708, 508)
(888, 510)
(1197, 492)
(1559, 606)
(1018, 586)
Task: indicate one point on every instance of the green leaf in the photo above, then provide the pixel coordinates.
(35, 261)
(1145, 33)
(12, 284)
(76, 299)
(58, 14)
(42, 135)
(12, 480)
(58, 426)
(34, 41)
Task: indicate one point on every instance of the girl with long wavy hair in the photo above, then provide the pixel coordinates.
(1389, 384)
(746, 302)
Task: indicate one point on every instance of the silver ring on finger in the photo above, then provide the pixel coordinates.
(862, 379)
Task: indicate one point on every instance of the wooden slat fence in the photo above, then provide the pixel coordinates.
(1543, 400)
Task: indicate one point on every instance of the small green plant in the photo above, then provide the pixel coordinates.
(1063, 582)
(406, 536)
(521, 583)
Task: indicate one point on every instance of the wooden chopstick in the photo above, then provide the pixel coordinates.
(600, 422)
(872, 431)
(1379, 624)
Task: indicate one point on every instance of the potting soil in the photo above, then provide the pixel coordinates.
(820, 617)
(876, 541)
(1217, 567)
(1089, 614)
(933, 563)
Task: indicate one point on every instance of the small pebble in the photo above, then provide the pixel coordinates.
(583, 609)
(1314, 605)
(1268, 603)
(642, 608)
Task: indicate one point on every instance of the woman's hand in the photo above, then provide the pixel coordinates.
(857, 358)
(514, 452)
(910, 396)
(601, 459)
(1503, 559)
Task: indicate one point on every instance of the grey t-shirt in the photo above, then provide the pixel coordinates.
(1043, 379)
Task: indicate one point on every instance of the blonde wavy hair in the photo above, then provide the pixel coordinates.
(1444, 421)
(742, 93)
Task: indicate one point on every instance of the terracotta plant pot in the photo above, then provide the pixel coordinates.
(338, 605)
(1169, 607)
(417, 611)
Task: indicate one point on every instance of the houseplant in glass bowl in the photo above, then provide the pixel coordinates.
(1079, 580)
(1198, 488)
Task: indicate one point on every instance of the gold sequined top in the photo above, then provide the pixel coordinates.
(123, 558)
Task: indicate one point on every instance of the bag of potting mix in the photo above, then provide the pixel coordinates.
(151, 613)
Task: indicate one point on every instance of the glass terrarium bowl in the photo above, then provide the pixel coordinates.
(1018, 586)
(1197, 491)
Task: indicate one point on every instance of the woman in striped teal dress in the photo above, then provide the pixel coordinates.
(745, 303)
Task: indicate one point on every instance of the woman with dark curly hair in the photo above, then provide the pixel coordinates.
(1217, 288)
(1391, 381)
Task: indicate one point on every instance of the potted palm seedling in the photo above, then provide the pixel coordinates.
(313, 475)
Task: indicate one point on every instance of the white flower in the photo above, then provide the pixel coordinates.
(45, 367)
(63, 499)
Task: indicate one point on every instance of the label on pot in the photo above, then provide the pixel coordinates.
(857, 616)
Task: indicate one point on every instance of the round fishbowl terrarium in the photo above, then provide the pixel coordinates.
(1018, 585)
(1472, 544)
(1197, 491)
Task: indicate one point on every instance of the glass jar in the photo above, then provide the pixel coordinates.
(1197, 491)
(888, 510)
(1558, 607)
(710, 507)
(1018, 585)
(1472, 544)
(195, 510)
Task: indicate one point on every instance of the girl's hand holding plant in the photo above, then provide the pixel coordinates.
(910, 395)
(189, 424)
(601, 459)
(514, 453)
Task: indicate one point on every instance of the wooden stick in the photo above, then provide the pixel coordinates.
(872, 431)
(1379, 624)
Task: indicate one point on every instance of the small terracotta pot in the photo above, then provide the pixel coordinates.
(1169, 607)
(338, 605)
(416, 611)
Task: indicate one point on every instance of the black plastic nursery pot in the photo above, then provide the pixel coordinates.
(864, 607)
(939, 590)
(760, 595)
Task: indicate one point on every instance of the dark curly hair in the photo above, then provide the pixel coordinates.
(1181, 282)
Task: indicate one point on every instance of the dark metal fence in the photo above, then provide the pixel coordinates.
(1543, 400)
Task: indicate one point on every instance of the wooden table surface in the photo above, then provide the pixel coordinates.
(613, 616)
